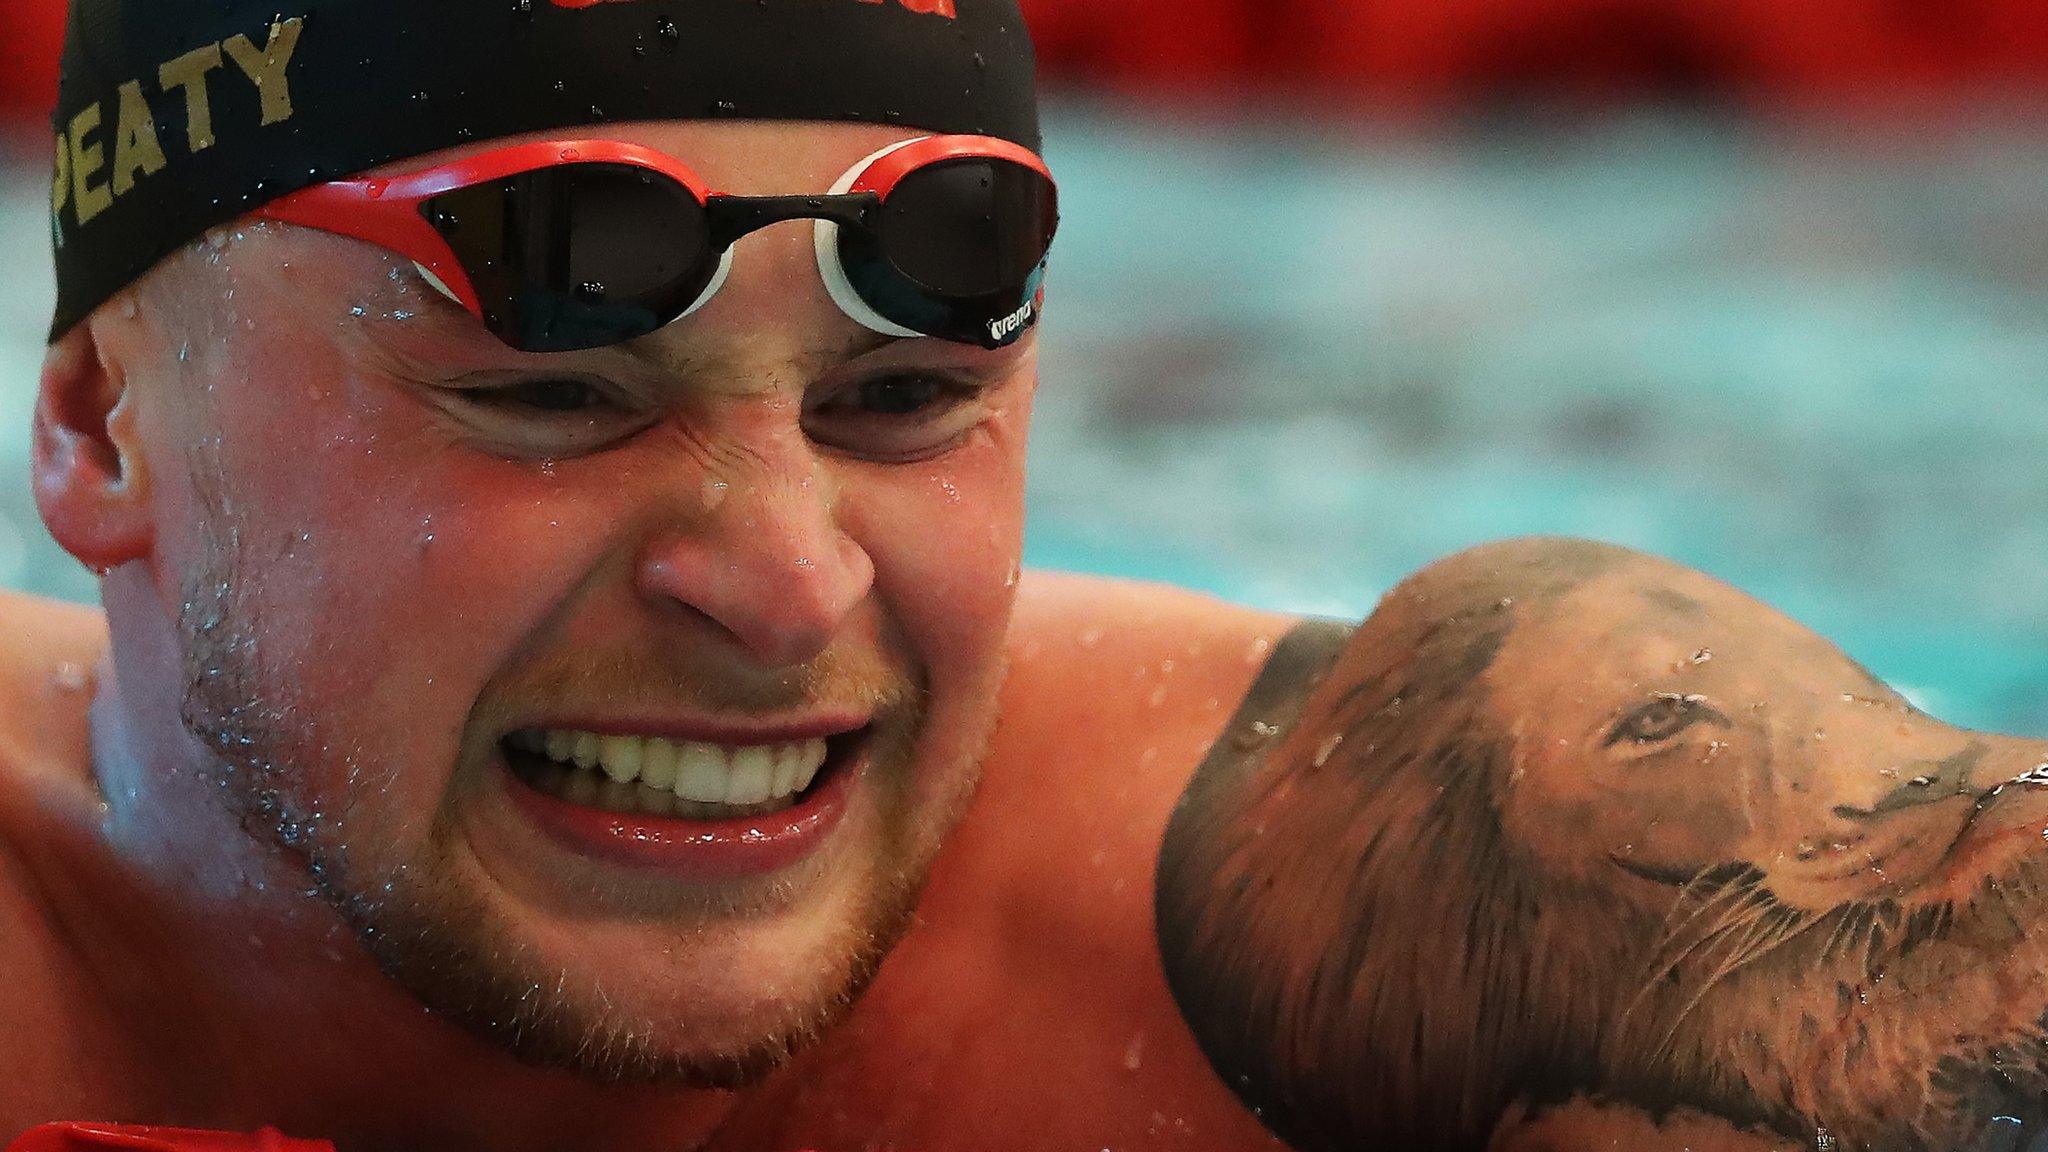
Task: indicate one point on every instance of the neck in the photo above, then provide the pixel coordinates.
(233, 997)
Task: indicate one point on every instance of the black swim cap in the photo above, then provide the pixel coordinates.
(174, 116)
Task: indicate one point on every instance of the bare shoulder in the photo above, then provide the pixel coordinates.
(1119, 686)
(1084, 631)
(48, 651)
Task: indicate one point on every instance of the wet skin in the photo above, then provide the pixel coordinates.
(1575, 848)
(261, 862)
(265, 862)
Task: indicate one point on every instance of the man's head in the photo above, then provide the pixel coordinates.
(373, 577)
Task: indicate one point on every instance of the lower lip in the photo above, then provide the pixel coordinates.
(736, 849)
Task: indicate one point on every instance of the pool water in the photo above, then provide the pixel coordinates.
(1288, 363)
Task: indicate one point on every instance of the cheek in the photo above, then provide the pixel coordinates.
(384, 573)
(945, 540)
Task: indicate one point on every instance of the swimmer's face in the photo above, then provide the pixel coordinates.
(401, 554)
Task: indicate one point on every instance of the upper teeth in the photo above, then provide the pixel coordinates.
(704, 773)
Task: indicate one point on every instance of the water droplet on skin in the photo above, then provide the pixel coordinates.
(1089, 638)
(1256, 734)
(359, 311)
(714, 493)
(70, 677)
(1327, 748)
(1134, 1054)
(1702, 656)
(1921, 781)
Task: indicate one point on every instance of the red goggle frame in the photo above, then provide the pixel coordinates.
(558, 245)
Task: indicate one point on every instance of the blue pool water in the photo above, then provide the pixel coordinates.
(1289, 363)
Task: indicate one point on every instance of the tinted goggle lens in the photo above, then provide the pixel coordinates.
(968, 227)
(958, 250)
(577, 255)
(589, 254)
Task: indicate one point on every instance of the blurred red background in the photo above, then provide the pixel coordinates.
(1438, 56)
(1427, 57)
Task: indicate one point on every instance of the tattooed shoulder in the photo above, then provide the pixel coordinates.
(1563, 820)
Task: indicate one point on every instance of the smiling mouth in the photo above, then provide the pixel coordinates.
(675, 779)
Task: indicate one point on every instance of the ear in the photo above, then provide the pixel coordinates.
(90, 483)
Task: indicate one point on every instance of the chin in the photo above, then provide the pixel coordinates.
(620, 974)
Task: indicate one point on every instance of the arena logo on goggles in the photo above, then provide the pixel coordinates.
(138, 150)
(929, 7)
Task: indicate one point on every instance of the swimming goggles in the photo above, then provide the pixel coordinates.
(563, 245)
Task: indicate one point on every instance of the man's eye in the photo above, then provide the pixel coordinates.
(551, 396)
(544, 416)
(901, 417)
(899, 395)
(1659, 720)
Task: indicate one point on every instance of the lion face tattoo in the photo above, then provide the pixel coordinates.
(1564, 820)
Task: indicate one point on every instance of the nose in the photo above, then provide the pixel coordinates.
(769, 565)
(1924, 782)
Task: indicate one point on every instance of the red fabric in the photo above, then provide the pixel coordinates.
(1437, 55)
(1172, 46)
(31, 34)
(95, 1137)
(1446, 54)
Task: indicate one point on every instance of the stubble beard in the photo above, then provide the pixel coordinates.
(438, 940)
